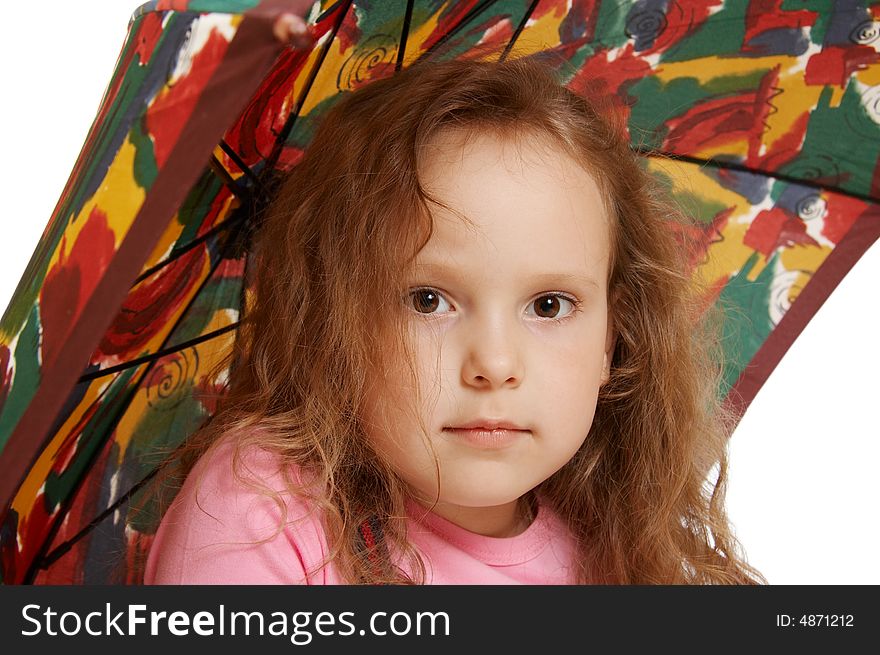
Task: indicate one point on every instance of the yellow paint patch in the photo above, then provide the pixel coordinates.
(709, 68)
(325, 81)
(30, 488)
(689, 178)
(869, 76)
(803, 257)
(119, 197)
(540, 34)
(795, 100)
(727, 256)
(415, 41)
(738, 147)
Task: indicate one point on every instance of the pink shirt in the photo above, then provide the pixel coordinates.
(208, 534)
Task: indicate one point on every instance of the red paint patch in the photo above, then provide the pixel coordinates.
(683, 18)
(579, 18)
(775, 227)
(147, 36)
(787, 147)
(230, 268)
(71, 281)
(768, 15)
(349, 32)
(875, 180)
(714, 122)
(449, 19)
(148, 308)
(606, 79)
(254, 135)
(836, 64)
(842, 213)
(168, 114)
(172, 5)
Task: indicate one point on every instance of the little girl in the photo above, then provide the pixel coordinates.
(473, 355)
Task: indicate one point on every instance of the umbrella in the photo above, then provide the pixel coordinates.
(761, 119)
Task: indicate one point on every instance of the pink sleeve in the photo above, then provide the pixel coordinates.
(220, 530)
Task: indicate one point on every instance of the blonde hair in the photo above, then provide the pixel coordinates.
(644, 495)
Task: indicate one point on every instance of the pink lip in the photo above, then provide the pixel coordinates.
(488, 433)
(487, 424)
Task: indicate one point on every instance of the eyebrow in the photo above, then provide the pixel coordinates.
(542, 279)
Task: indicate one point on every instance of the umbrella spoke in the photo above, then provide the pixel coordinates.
(62, 549)
(220, 171)
(519, 29)
(404, 33)
(485, 4)
(742, 168)
(182, 250)
(238, 161)
(68, 501)
(159, 354)
(313, 73)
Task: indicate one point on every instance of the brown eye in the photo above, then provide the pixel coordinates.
(547, 306)
(428, 301)
(552, 305)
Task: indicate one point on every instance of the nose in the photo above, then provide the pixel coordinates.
(493, 357)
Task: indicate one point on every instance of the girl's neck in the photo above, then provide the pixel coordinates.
(508, 520)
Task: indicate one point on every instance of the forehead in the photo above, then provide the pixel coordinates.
(521, 204)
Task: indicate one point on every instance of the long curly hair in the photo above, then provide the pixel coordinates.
(643, 496)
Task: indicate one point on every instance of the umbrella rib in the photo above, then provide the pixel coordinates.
(404, 33)
(238, 161)
(66, 504)
(177, 253)
(742, 168)
(475, 11)
(227, 179)
(159, 354)
(291, 120)
(31, 573)
(61, 549)
(519, 29)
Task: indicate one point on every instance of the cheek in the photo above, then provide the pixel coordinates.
(569, 368)
(393, 408)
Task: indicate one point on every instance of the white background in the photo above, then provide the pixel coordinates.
(804, 487)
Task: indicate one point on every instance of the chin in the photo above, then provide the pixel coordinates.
(483, 498)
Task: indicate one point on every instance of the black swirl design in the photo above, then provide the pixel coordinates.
(811, 207)
(645, 25)
(376, 51)
(818, 168)
(172, 379)
(865, 32)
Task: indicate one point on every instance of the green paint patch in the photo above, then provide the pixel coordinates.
(828, 150)
(721, 34)
(746, 307)
(222, 6)
(217, 294)
(26, 377)
(93, 438)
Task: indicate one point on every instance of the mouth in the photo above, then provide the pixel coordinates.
(486, 433)
(486, 424)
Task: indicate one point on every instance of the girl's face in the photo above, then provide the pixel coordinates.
(509, 325)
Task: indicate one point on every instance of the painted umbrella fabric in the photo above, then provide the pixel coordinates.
(111, 352)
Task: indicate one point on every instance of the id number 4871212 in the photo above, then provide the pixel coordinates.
(815, 620)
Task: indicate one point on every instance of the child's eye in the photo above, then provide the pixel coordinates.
(552, 305)
(428, 301)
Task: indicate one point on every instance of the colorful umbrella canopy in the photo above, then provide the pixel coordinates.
(109, 348)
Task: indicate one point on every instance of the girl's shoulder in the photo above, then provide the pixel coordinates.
(241, 517)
